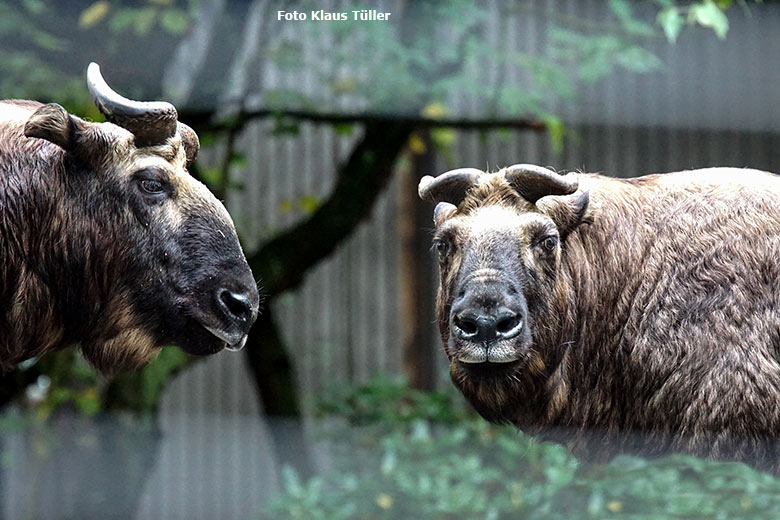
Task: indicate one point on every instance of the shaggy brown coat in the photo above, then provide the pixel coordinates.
(110, 245)
(654, 324)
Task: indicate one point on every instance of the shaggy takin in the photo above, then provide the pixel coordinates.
(107, 243)
(638, 315)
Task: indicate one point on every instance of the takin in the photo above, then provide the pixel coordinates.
(107, 243)
(615, 315)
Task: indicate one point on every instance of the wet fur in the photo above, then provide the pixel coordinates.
(659, 328)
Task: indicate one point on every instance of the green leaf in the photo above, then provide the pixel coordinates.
(556, 131)
(638, 59)
(345, 129)
(144, 20)
(93, 14)
(174, 21)
(291, 481)
(671, 21)
(309, 204)
(443, 138)
(46, 41)
(707, 14)
(34, 6)
(630, 23)
(621, 8)
(122, 20)
(87, 402)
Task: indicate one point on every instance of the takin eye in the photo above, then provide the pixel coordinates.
(548, 244)
(442, 248)
(151, 186)
(152, 181)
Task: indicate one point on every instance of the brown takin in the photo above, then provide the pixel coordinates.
(107, 243)
(638, 315)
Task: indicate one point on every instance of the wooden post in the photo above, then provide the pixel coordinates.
(417, 286)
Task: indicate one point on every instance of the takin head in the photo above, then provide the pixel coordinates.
(123, 250)
(498, 240)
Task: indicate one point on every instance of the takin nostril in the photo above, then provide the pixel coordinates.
(465, 327)
(237, 305)
(508, 325)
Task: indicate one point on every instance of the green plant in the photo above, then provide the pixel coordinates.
(389, 400)
(418, 470)
(409, 454)
(394, 461)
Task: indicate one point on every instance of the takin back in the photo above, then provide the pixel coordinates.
(107, 243)
(637, 315)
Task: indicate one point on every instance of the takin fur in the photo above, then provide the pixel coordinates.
(636, 315)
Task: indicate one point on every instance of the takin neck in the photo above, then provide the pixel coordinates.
(48, 298)
(31, 233)
(602, 270)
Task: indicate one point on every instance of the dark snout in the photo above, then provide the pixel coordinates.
(237, 306)
(483, 326)
(237, 301)
(487, 320)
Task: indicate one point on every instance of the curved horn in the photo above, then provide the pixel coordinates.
(151, 122)
(534, 182)
(448, 187)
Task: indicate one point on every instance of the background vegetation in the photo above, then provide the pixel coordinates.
(408, 454)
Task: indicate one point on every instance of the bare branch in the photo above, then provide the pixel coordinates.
(202, 120)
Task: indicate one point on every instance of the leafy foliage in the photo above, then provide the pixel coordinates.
(673, 487)
(64, 381)
(408, 455)
(141, 391)
(44, 45)
(706, 13)
(441, 49)
(389, 400)
(418, 471)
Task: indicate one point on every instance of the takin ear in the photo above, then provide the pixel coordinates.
(190, 141)
(53, 123)
(567, 212)
(442, 212)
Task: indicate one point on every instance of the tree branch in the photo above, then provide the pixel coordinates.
(202, 120)
(282, 262)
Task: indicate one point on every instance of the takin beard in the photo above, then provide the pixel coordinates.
(505, 397)
(46, 309)
(31, 327)
(534, 391)
(123, 344)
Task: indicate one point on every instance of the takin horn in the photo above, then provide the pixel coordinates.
(448, 187)
(534, 182)
(151, 122)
